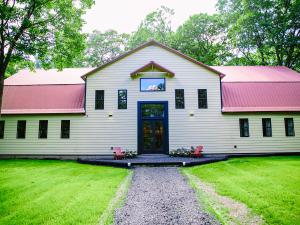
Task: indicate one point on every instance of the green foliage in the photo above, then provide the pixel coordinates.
(268, 185)
(264, 32)
(103, 47)
(55, 192)
(156, 25)
(203, 37)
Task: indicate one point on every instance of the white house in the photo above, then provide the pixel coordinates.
(152, 99)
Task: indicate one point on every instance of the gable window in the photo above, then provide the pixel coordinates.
(179, 98)
(152, 84)
(289, 126)
(122, 99)
(267, 127)
(99, 99)
(244, 128)
(2, 124)
(65, 129)
(202, 98)
(21, 129)
(43, 128)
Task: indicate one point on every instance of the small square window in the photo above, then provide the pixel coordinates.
(99, 99)
(179, 98)
(2, 125)
(267, 127)
(21, 129)
(43, 129)
(289, 127)
(65, 129)
(152, 84)
(202, 98)
(244, 128)
(122, 99)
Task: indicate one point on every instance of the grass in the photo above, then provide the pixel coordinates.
(270, 186)
(55, 192)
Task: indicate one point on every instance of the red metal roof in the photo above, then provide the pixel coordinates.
(35, 99)
(52, 76)
(260, 89)
(258, 74)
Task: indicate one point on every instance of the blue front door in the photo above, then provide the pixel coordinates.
(153, 128)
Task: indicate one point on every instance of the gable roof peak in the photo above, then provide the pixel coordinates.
(150, 43)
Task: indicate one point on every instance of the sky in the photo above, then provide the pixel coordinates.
(124, 16)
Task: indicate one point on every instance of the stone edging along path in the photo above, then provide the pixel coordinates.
(161, 196)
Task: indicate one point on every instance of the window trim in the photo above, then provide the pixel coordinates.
(286, 127)
(242, 131)
(39, 134)
(144, 78)
(181, 89)
(102, 108)
(61, 130)
(17, 136)
(265, 128)
(122, 99)
(206, 99)
(3, 129)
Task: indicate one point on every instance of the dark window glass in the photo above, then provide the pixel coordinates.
(152, 110)
(179, 98)
(202, 98)
(43, 128)
(65, 129)
(244, 128)
(2, 125)
(21, 129)
(267, 127)
(99, 99)
(152, 84)
(289, 126)
(122, 99)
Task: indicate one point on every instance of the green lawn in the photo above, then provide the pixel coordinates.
(55, 192)
(270, 186)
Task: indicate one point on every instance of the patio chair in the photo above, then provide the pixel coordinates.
(118, 153)
(198, 152)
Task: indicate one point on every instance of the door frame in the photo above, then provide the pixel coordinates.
(140, 127)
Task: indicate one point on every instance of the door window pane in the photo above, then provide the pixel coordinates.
(152, 110)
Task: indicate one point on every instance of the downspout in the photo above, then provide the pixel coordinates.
(221, 95)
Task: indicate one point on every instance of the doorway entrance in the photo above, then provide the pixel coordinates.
(153, 128)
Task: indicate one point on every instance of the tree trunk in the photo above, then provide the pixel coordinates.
(2, 72)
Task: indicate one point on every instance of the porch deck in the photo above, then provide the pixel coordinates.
(152, 160)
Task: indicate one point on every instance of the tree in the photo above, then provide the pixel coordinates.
(264, 32)
(49, 30)
(103, 47)
(203, 37)
(156, 25)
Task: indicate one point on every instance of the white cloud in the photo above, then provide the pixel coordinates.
(125, 15)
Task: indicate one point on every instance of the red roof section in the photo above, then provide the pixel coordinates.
(32, 99)
(43, 92)
(260, 89)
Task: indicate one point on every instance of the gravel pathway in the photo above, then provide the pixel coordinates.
(161, 196)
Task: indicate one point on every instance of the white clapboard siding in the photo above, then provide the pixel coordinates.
(95, 132)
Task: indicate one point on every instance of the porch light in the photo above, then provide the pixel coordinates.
(110, 114)
(191, 113)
